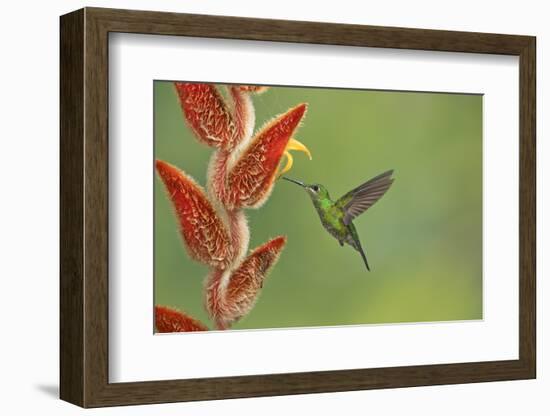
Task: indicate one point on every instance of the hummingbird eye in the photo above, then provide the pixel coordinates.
(315, 188)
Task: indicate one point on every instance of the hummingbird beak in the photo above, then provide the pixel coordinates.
(294, 181)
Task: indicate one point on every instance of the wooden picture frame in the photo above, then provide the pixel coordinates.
(84, 207)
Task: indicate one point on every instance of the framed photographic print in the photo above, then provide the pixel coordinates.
(256, 207)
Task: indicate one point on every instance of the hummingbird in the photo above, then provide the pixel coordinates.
(337, 216)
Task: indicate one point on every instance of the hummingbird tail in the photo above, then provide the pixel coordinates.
(364, 257)
(356, 244)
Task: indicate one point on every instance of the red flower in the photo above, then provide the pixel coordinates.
(206, 112)
(241, 175)
(204, 233)
(209, 115)
(258, 89)
(231, 295)
(250, 180)
(171, 320)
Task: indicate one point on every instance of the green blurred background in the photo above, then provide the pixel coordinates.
(423, 239)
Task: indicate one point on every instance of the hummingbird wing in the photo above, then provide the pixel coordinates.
(358, 200)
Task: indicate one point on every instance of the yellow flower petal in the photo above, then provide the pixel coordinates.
(288, 165)
(292, 144)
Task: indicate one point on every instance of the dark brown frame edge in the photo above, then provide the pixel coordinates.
(84, 207)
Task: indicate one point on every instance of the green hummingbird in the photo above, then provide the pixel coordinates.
(336, 216)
